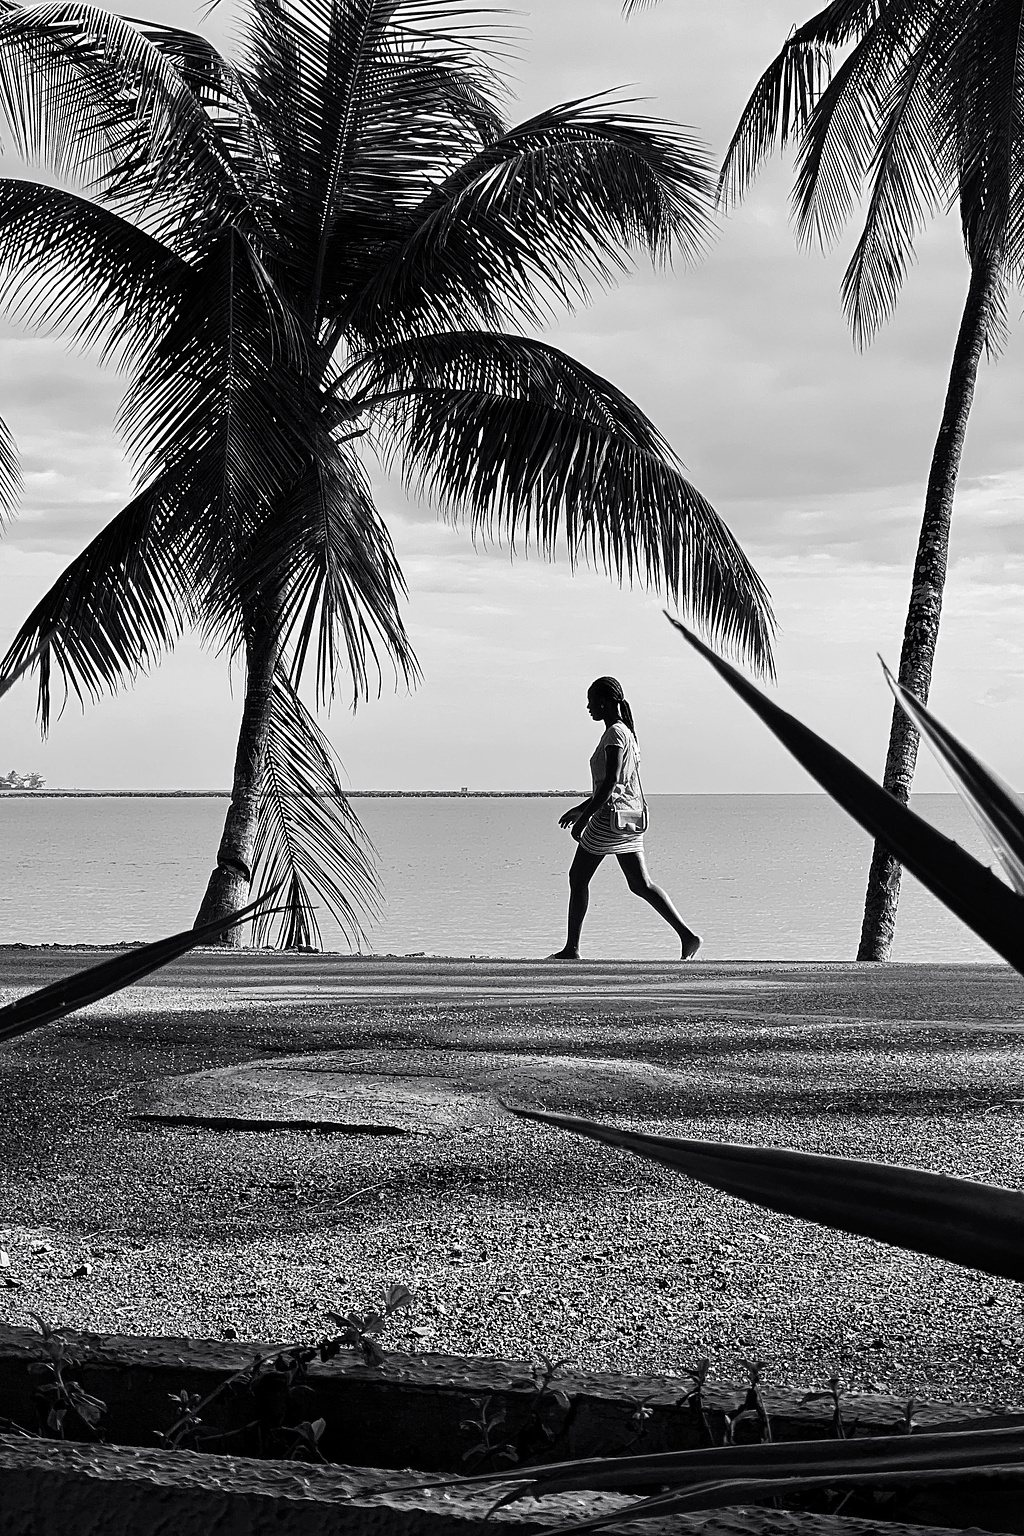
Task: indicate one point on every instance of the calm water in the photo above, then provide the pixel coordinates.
(760, 876)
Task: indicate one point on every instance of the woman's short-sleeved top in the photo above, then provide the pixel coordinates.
(618, 735)
(600, 835)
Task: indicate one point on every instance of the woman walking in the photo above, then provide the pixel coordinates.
(612, 820)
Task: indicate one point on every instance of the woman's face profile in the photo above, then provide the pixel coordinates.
(595, 704)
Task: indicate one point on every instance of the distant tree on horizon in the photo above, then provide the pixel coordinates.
(324, 247)
(916, 107)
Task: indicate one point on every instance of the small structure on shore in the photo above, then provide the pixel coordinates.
(15, 780)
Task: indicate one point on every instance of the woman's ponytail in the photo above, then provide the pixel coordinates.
(611, 688)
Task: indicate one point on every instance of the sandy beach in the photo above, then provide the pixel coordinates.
(142, 1195)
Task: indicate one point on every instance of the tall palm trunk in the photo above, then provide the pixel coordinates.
(228, 889)
(921, 633)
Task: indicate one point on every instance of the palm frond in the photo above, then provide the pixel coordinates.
(109, 615)
(326, 550)
(226, 159)
(536, 218)
(88, 94)
(11, 675)
(970, 890)
(907, 185)
(10, 473)
(368, 104)
(71, 267)
(781, 103)
(69, 994)
(841, 132)
(220, 393)
(980, 84)
(533, 446)
(875, 122)
(308, 840)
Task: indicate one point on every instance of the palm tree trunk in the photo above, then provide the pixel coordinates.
(921, 633)
(228, 889)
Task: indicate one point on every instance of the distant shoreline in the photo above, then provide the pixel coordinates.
(350, 794)
(425, 794)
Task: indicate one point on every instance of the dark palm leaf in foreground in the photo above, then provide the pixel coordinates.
(311, 251)
(73, 992)
(977, 896)
(977, 1225)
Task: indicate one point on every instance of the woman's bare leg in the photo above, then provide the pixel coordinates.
(581, 872)
(634, 867)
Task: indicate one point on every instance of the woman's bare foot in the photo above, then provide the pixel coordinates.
(690, 947)
(570, 954)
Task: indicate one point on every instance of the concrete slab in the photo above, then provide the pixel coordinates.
(420, 1092)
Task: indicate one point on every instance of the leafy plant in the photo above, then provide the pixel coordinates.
(485, 1429)
(694, 1399)
(65, 1410)
(278, 1390)
(362, 1332)
(834, 1394)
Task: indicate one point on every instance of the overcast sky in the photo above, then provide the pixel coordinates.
(815, 455)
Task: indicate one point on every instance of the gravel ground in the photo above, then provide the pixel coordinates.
(516, 1240)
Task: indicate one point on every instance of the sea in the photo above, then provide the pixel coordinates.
(760, 877)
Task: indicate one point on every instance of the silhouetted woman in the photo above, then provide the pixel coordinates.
(615, 769)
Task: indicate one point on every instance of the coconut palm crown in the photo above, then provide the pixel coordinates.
(907, 108)
(328, 246)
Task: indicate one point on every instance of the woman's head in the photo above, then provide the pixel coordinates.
(606, 701)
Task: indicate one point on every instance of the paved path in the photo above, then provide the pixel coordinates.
(515, 1238)
(955, 994)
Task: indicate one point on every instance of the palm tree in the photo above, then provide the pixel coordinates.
(921, 114)
(324, 247)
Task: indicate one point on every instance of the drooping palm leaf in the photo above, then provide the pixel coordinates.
(534, 446)
(113, 611)
(535, 218)
(10, 473)
(784, 98)
(89, 94)
(331, 557)
(878, 121)
(974, 893)
(308, 842)
(63, 997)
(978, 1225)
(8, 677)
(73, 268)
